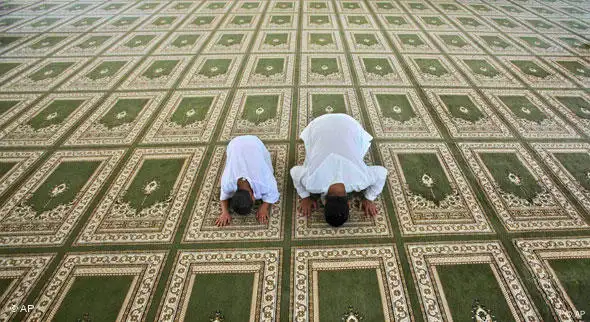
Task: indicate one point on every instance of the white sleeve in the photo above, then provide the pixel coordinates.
(226, 189)
(379, 175)
(272, 195)
(225, 193)
(296, 174)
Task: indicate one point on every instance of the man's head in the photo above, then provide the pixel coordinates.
(336, 210)
(241, 202)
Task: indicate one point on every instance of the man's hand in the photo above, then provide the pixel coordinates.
(307, 206)
(224, 219)
(369, 208)
(262, 213)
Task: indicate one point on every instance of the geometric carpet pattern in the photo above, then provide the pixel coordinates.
(115, 115)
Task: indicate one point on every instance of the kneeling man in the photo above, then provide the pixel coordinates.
(335, 145)
(248, 176)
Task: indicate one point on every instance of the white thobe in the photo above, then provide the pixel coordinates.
(335, 145)
(247, 157)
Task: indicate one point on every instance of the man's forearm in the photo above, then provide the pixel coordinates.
(265, 205)
(224, 206)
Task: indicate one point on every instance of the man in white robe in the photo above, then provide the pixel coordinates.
(247, 176)
(335, 145)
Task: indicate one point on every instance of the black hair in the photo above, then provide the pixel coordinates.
(336, 210)
(241, 202)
